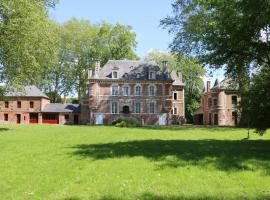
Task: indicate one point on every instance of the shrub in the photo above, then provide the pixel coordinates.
(126, 123)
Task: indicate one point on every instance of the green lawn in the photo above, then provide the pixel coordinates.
(80, 162)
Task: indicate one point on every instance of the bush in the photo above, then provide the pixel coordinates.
(126, 123)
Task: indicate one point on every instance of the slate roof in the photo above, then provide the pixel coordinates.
(136, 70)
(27, 91)
(225, 84)
(61, 108)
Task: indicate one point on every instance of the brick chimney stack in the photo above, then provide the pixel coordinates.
(90, 73)
(97, 68)
(208, 86)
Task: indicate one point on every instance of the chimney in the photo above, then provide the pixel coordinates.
(180, 76)
(90, 73)
(208, 86)
(97, 68)
(65, 99)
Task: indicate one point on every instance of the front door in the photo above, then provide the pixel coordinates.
(99, 119)
(18, 118)
(162, 120)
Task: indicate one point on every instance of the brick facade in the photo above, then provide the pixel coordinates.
(146, 101)
(218, 107)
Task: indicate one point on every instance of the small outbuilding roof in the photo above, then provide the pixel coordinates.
(27, 91)
(61, 108)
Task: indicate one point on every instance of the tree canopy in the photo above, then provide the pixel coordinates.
(227, 33)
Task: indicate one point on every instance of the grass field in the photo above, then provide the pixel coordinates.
(73, 163)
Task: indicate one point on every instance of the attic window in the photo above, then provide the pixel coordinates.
(138, 75)
(151, 75)
(114, 74)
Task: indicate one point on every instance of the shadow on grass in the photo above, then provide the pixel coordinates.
(3, 129)
(150, 196)
(193, 128)
(224, 155)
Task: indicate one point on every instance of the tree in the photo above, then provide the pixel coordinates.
(192, 74)
(81, 43)
(27, 41)
(226, 33)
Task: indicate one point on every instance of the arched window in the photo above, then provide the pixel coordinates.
(151, 90)
(114, 90)
(138, 90)
(125, 90)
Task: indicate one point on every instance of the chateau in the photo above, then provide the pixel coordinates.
(218, 105)
(138, 90)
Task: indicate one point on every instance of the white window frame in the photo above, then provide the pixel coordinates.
(114, 71)
(174, 92)
(152, 72)
(128, 90)
(117, 91)
(149, 92)
(135, 89)
(154, 104)
(174, 111)
(140, 108)
(114, 109)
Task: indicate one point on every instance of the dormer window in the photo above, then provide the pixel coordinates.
(152, 75)
(138, 75)
(115, 72)
(114, 75)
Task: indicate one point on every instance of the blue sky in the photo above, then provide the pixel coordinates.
(143, 15)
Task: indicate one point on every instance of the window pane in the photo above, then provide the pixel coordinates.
(138, 107)
(152, 107)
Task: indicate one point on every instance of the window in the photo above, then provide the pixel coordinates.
(138, 90)
(151, 75)
(67, 117)
(174, 111)
(215, 102)
(151, 90)
(6, 104)
(125, 90)
(175, 96)
(234, 115)
(152, 107)
(31, 104)
(138, 75)
(114, 74)
(6, 117)
(209, 102)
(234, 100)
(114, 90)
(137, 107)
(19, 104)
(114, 108)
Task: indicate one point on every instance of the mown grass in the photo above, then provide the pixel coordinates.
(109, 163)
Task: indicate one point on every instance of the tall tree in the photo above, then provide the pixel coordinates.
(27, 41)
(81, 43)
(228, 33)
(192, 74)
